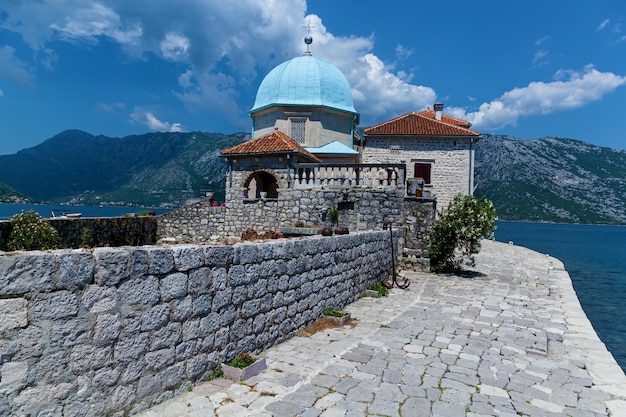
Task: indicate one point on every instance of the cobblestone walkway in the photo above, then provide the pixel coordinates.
(447, 346)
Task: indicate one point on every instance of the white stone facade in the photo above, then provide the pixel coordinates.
(451, 161)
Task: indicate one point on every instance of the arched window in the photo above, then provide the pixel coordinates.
(261, 181)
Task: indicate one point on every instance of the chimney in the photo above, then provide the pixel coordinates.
(438, 107)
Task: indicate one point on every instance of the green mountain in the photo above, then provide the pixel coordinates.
(552, 179)
(155, 169)
(549, 179)
(9, 195)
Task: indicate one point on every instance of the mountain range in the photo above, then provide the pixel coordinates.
(549, 179)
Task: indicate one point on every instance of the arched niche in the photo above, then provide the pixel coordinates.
(261, 181)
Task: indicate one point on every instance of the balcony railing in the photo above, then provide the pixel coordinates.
(327, 175)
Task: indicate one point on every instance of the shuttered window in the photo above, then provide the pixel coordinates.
(422, 170)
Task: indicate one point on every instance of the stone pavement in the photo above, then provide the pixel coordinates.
(446, 346)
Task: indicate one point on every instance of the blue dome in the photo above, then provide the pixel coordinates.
(305, 81)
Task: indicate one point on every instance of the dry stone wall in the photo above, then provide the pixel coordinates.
(112, 331)
(97, 231)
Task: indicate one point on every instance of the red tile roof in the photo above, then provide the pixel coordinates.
(422, 124)
(275, 142)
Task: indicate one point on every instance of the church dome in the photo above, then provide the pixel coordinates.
(305, 81)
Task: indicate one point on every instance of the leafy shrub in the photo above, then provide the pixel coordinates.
(457, 234)
(29, 231)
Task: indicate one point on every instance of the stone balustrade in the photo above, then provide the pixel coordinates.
(320, 176)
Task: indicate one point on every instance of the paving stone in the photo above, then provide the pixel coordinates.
(454, 347)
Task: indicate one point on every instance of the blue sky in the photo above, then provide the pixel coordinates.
(118, 67)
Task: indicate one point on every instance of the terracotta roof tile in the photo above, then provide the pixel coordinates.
(275, 142)
(422, 124)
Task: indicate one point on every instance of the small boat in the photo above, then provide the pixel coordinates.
(64, 214)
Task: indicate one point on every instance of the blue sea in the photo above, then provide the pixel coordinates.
(595, 257)
(45, 210)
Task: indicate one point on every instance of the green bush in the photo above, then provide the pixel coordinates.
(29, 231)
(380, 288)
(457, 234)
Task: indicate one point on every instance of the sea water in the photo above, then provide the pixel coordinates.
(45, 210)
(595, 258)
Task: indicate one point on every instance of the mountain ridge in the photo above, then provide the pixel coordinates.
(548, 179)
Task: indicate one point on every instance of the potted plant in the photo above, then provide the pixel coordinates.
(243, 366)
(338, 316)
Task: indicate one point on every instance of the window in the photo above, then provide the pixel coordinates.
(422, 170)
(298, 130)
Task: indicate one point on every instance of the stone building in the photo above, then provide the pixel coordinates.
(438, 151)
(302, 163)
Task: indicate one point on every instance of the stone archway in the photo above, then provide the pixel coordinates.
(261, 181)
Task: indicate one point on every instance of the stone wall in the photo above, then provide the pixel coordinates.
(112, 331)
(196, 222)
(105, 231)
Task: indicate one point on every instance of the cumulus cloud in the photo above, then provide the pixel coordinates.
(569, 90)
(146, 117)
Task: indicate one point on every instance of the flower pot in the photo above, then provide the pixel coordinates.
(241, 374)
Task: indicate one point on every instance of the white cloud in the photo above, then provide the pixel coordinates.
(109, 107)
(147, 118)
(174, 47)
(603, 25)
(541, 40)
(538, 58)
(570, 90)
(13, 70)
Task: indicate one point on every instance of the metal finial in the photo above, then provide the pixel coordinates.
(308, 40)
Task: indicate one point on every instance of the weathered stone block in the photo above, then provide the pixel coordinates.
(245, 254)
(75, 270)
(155, 317)
(140, 291)
(159, 359)
(167, 336)
(14, 313)
(160, 260)
(107, 328)
(131, 349)
(196, 366)
(210, 324)
(173, 286)
(53, 306)
(98, 299)
(14, 376)
(32, 272)
(182, 309)
(105, 378)
(149, 385)
(86, 357)
(173, 376)
(199, 281)
(112, 265)
(219, 255)
(188, 257)
(66, 333)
